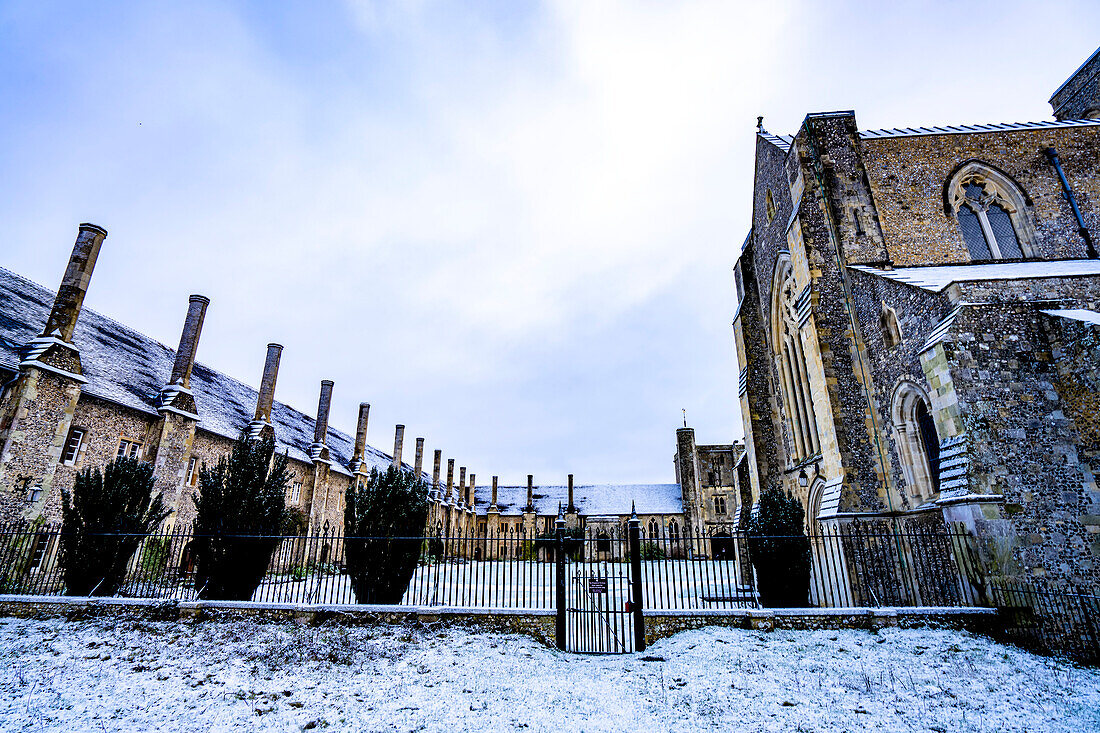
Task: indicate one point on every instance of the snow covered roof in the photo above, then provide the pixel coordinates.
(589, 499)
(958, 129)
(784, 142)
(936, 278)
(129, 368)
(1076, 314)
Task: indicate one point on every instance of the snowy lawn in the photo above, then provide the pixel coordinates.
(126, 675)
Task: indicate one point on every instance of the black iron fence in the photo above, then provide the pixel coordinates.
(1050, 620)
(850, 566)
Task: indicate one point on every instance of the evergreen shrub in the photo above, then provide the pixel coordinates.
(103, 521)
(240, 513)
(383, 524)
(780, 551)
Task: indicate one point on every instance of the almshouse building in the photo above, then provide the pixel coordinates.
(918, 328)
(80, 389)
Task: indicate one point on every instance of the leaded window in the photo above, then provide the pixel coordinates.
(990, 210)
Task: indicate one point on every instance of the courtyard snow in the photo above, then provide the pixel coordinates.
(108, 675)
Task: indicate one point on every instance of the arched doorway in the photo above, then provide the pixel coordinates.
(722, 546)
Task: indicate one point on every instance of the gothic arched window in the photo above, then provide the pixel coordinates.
(890, 326)
(791, 365)
(654, 529)
(990, 210)
(917, 439)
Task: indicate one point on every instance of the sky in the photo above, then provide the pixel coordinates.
(509, 226)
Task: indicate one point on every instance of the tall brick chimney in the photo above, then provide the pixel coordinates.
(418, 467)
(319, 449)
(265, 399)
(461, 485)
(530, 493)
(435, 471)
(74, 285)
(470, 491)
(398, 440)
(189, 341)
(450, 477)
(361, 435)
(493, 503)
(571, 508)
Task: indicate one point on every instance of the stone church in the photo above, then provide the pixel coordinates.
(918, 327)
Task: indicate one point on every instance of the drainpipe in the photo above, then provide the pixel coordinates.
(1052, 154)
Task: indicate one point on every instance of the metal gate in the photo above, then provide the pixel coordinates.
(598, 589)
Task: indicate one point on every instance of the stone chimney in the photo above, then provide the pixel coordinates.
(74, 285)
(319, 449)
(189, 341)
(418, 467)
(265, 400)
(360, 437)
(493, 503)
(398, 440)
(450, 477)
(571, 508)
(435, 472)
(176, 395)
(470, 495)
(530, 493)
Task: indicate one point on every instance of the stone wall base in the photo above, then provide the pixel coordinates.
(536, 624)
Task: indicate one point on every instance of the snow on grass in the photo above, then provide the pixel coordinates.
(129, 675)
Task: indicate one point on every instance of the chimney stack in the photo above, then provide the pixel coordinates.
(324, 402)
(494, 501)
(266, 398)
(189, 341)
(450, 476)
(461, 485)
(470, 495)
(398, 439)
(571, 508)
(361, 433)
(74, 285)
(418, 468)
(530, 493)
(435, 471)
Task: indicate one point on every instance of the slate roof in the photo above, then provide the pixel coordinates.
(129, 369)
(783, 142)
(590, 500)
(935, 278)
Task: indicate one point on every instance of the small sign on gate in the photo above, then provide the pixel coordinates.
(597, 585)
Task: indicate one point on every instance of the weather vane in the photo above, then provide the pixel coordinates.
(684, 410)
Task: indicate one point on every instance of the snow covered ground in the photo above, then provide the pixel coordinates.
(128, 675)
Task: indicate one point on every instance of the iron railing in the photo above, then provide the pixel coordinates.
(850, 566)
(1050, 620)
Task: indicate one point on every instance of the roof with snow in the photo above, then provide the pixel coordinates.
(129, 369)
(1076, 314)
(936, 278)
(784, 141)
(590, 500)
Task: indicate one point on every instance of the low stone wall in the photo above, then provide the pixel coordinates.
(660, 624)
(536, 624)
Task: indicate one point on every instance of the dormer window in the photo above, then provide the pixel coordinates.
(990, 210)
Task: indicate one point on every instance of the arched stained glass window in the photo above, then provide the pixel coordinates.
(990, 210)
(791, 363)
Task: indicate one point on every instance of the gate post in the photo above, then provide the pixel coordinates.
(635, 532)
(559, 585)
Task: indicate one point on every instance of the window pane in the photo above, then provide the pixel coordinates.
(1001, 224)
(931, 440)
(973, 191)
(972, 234)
